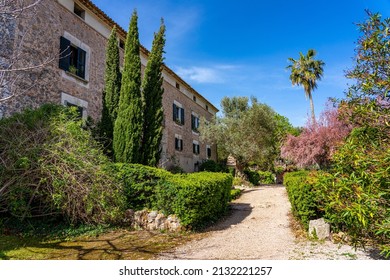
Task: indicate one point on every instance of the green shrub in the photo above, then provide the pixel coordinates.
(140, 183)
(356, 192)
(52, 167)
(237, 181)
(302, 195)
(235, 193)
(196, 198)
(266, 177)
(212, 166)
(253, 176)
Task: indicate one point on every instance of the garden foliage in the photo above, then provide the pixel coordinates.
(266, 177)
(51, 167)
(129, 122)
(318, 141)
(303, 196)
(112, 87)
(212, 166)
(195, 198)
(355, 195)
(152, 93)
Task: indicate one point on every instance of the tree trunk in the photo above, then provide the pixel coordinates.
(313, 117)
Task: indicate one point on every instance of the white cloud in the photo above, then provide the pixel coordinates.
(201, 74)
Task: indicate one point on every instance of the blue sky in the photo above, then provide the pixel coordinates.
(241, 48)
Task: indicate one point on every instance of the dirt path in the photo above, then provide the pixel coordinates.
(259, 228)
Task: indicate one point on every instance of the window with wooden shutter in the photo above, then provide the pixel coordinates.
(178, 144)
(81, 58)
(72, 58)
(195, 122)
(64, 54)
(178, 114)
(196, 148)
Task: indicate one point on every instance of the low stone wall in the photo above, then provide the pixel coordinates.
(153, 220)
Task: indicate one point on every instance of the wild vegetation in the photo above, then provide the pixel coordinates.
(352, 191)
(52, 168)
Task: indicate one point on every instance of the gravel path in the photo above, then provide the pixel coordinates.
(259, 228)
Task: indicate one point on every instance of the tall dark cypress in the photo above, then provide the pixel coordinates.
(129, 123)
(152, 91)
(112, 87)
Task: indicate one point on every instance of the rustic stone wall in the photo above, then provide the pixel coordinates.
(38, 35)
(153, 220)
(185, 158)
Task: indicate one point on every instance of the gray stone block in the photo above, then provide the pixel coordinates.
(319, 228)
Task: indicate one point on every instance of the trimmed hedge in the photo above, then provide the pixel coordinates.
(196, 198)
(140, 183)
(302, 195)
(212, 166)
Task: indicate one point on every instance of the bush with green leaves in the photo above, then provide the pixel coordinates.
(212, 166)
(235, 193)
(303, 197)
(355, 194)
(266, 177)
(196, 198)
(252, 176)
(140, 183)
(51, 167)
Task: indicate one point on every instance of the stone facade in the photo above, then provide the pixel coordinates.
(37, 38)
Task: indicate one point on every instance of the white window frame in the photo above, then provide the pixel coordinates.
(79, 44)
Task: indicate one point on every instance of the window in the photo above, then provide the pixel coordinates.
(177, 85)
(195, 122)
(208, 151)
(196, 148)
(194, 98)
(79, 11)
(72, 58)
(178, 114)
(121, 44)
(207, 107)
(178, 143)
(72, 101)
(79, 109)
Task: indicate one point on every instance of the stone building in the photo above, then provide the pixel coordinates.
(41, 35)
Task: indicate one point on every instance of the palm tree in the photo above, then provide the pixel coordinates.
(306, 71)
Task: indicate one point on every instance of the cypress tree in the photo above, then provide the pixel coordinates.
(152, 92)
(112, 87)
(129, 122)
